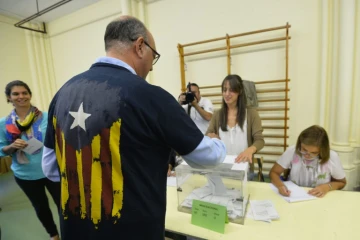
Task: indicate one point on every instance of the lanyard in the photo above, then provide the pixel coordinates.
(313, 169)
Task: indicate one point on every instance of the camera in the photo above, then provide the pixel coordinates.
(189, 96)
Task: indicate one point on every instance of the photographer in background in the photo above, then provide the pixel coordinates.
(199, 109)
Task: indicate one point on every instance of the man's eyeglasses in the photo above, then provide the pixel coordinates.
(156, 54)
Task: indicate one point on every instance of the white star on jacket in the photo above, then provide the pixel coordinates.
(79, 118)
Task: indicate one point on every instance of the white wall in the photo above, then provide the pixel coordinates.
(77, 39)
(185, 21)
(14, 63)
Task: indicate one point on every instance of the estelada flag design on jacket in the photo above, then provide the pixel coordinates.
(87, 147)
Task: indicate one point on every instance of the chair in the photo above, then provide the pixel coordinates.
(260, 175)
(5, 163)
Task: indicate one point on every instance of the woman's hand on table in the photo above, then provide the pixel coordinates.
(319, 191)
(246, 155)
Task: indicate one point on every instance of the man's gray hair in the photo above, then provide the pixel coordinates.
(123, 31)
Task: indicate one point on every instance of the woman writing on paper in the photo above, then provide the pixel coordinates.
(311, 163)
(238, 126)
(21, 135)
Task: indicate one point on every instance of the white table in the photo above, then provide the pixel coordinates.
(336, 216)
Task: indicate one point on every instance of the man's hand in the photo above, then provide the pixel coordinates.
(181, 98)
(284, 191)
(169, 173)
(245, 156)
(320, 190)
(213, 135)
(194, 103)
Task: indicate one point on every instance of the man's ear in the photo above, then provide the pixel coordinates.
(140, 47)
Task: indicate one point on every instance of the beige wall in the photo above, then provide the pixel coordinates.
(192, 21)
(14, 62)
(77, 39)
(74, 41)
(323, 58)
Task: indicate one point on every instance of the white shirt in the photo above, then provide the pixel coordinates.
(200, 122)
(310, 173)
(235, 139)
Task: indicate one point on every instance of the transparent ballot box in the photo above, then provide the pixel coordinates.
(222, 185)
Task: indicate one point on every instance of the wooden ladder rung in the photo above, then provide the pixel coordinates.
(213, 86)
(272, 109)
(269, 161)
(275, 145)
(274, 100)
(274, 136)
(274, 118)
(265, 161)
(274, 127)
(272, 90)
(211, 94)
(270, 153)
(259, 100)
(272, 81)
(257, 82)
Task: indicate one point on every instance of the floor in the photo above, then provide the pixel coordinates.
(17, 218)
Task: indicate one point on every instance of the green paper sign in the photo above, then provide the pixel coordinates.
(209, 215)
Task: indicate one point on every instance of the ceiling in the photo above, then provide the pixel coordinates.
(20, 9)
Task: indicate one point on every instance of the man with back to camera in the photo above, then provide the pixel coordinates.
(111, 133)
(200, 109)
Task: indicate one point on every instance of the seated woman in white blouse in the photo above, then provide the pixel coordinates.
(311, 163)
(238, 126)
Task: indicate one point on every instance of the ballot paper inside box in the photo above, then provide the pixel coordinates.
(224, 185)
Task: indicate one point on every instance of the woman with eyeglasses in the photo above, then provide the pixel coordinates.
(311, 164)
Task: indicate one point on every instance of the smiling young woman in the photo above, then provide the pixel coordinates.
(26, 122)
(236, 124)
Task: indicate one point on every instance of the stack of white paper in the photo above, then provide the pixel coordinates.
(263, 210)
(243, 166)
(230, 159)
(297, 193)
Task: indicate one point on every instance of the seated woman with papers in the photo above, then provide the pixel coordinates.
(238, 126)
(311, 163)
